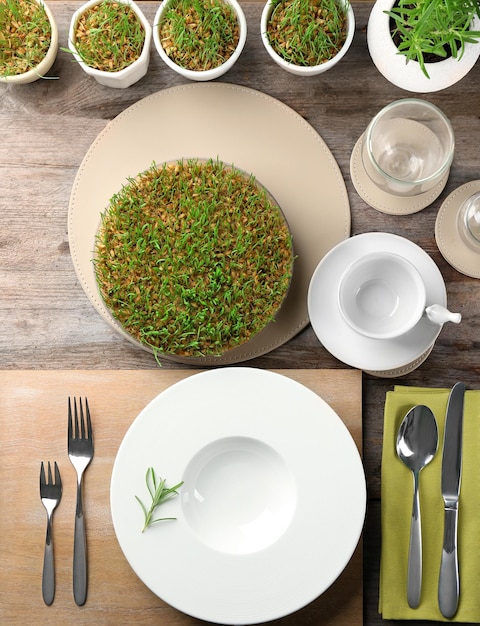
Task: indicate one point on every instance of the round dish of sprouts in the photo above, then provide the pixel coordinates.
(193, 257)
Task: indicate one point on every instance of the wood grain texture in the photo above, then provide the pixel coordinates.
(33, 422)
(46, 321)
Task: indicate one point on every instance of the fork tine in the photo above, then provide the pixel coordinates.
(82, 419)
(50, 479)
(58, 480)
(75, 413)
(89, 423)
(70, 426)
(42, 475)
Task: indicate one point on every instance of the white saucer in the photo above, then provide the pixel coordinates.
(273, 501)
(382, 200)
(449, 241)
(354, 349)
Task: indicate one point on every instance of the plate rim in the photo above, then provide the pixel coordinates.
(231, 377)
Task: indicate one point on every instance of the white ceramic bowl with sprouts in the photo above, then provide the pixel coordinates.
(201, 75)
(301, 70)
(128, 75)
(46, 63)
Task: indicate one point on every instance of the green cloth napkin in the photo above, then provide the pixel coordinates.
(397, 494)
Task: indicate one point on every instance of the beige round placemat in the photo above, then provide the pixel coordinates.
(240, 126)
(449, 242)
(381, 200)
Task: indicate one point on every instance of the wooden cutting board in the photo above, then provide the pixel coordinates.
(33, 428)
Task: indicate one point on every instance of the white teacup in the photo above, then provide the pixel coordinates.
(382, 295)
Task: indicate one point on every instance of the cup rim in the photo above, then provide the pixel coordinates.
(201, 75)
(126, 71)
(41, 69)
(418, 282)
(398, 181)
(312, 69)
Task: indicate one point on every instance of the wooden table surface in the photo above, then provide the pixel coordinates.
(46, 320)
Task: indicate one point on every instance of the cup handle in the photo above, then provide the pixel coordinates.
(438, 314)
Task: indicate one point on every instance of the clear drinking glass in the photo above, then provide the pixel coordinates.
(408, 147)
(469, 222)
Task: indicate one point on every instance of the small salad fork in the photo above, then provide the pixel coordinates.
(80, 452)
(50, 494)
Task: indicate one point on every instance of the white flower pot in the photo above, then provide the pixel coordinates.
(298, 69)
(42, 68)
(128, 75)
(409, 76)
(200, 75)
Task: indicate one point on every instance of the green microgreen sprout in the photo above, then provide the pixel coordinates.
(199, 34)
(25, 36)
(159, 494)
(109, 36)
(307, 32)
(425, 29)
(193, 257)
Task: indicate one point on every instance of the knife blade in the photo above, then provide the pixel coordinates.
(449, 581)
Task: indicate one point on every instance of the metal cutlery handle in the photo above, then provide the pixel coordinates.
(80, 553)
(449, 582)
(48, 576)
(414, 579)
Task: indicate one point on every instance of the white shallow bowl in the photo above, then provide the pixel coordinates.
(42, 68)
(198, 75)
(273, 500)
(298, 69)
(130, 74)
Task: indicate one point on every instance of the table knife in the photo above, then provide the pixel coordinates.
(449, 582)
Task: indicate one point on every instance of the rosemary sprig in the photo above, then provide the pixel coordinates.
(159, 494)
(307, 32)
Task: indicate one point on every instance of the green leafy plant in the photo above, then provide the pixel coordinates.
(109, 36)
(433, 27)
(193, 257)
(25, 36)
(199, 35)
(159, 494)
(307, 32)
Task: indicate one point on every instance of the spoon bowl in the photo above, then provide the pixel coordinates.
(417, 443)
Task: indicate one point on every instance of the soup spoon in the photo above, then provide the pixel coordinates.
(417, 443)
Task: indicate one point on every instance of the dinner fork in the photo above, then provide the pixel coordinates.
(80, 452)
(50, 494)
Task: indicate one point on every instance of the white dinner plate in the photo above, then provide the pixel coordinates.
(273, 500)
(240, 126)
(339, 338)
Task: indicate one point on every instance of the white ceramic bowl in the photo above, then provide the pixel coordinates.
(47, 62)
(198, 74)
(129, 75)
(299, 69)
